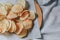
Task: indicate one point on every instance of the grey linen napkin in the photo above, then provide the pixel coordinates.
(51, 19)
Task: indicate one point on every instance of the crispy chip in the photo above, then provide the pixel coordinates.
(17, 8)
(32, 15)
(4, 25)
(11, 15)
(19, 27)
(27, 24)
(8, 6)
(22, 2)
(23, 33)
(3, 11)
(9, 25)
(2, 17)
(13, 27)
(25, 15)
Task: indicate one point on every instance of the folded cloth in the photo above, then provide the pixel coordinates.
(52, 36)
(51, 19)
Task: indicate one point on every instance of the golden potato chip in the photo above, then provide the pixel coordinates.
(2, 17)
(0, 30)
(4, 25)
(32, 15)
(0, 27)
(27, 24)
(13, 27)
(23, 33)
(19, 27)
(4, 28)
(8, 6)
(11, 15)
(22, 2)
(3, 11)
(25, 15)
(9, 25)
(17, 8)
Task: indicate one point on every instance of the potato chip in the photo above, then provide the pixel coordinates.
(2, 17)
(11, 15)
(17, 8)
(27, 24)
(19, 27)
(13, 27)
(25, 15)
(32, 15)
(8, 6)
(4, 25)
(3, 11)
(23, 33)
(22, 2)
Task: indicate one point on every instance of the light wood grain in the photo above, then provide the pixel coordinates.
(39, 13)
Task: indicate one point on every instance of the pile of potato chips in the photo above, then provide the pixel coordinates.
(15, 19)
